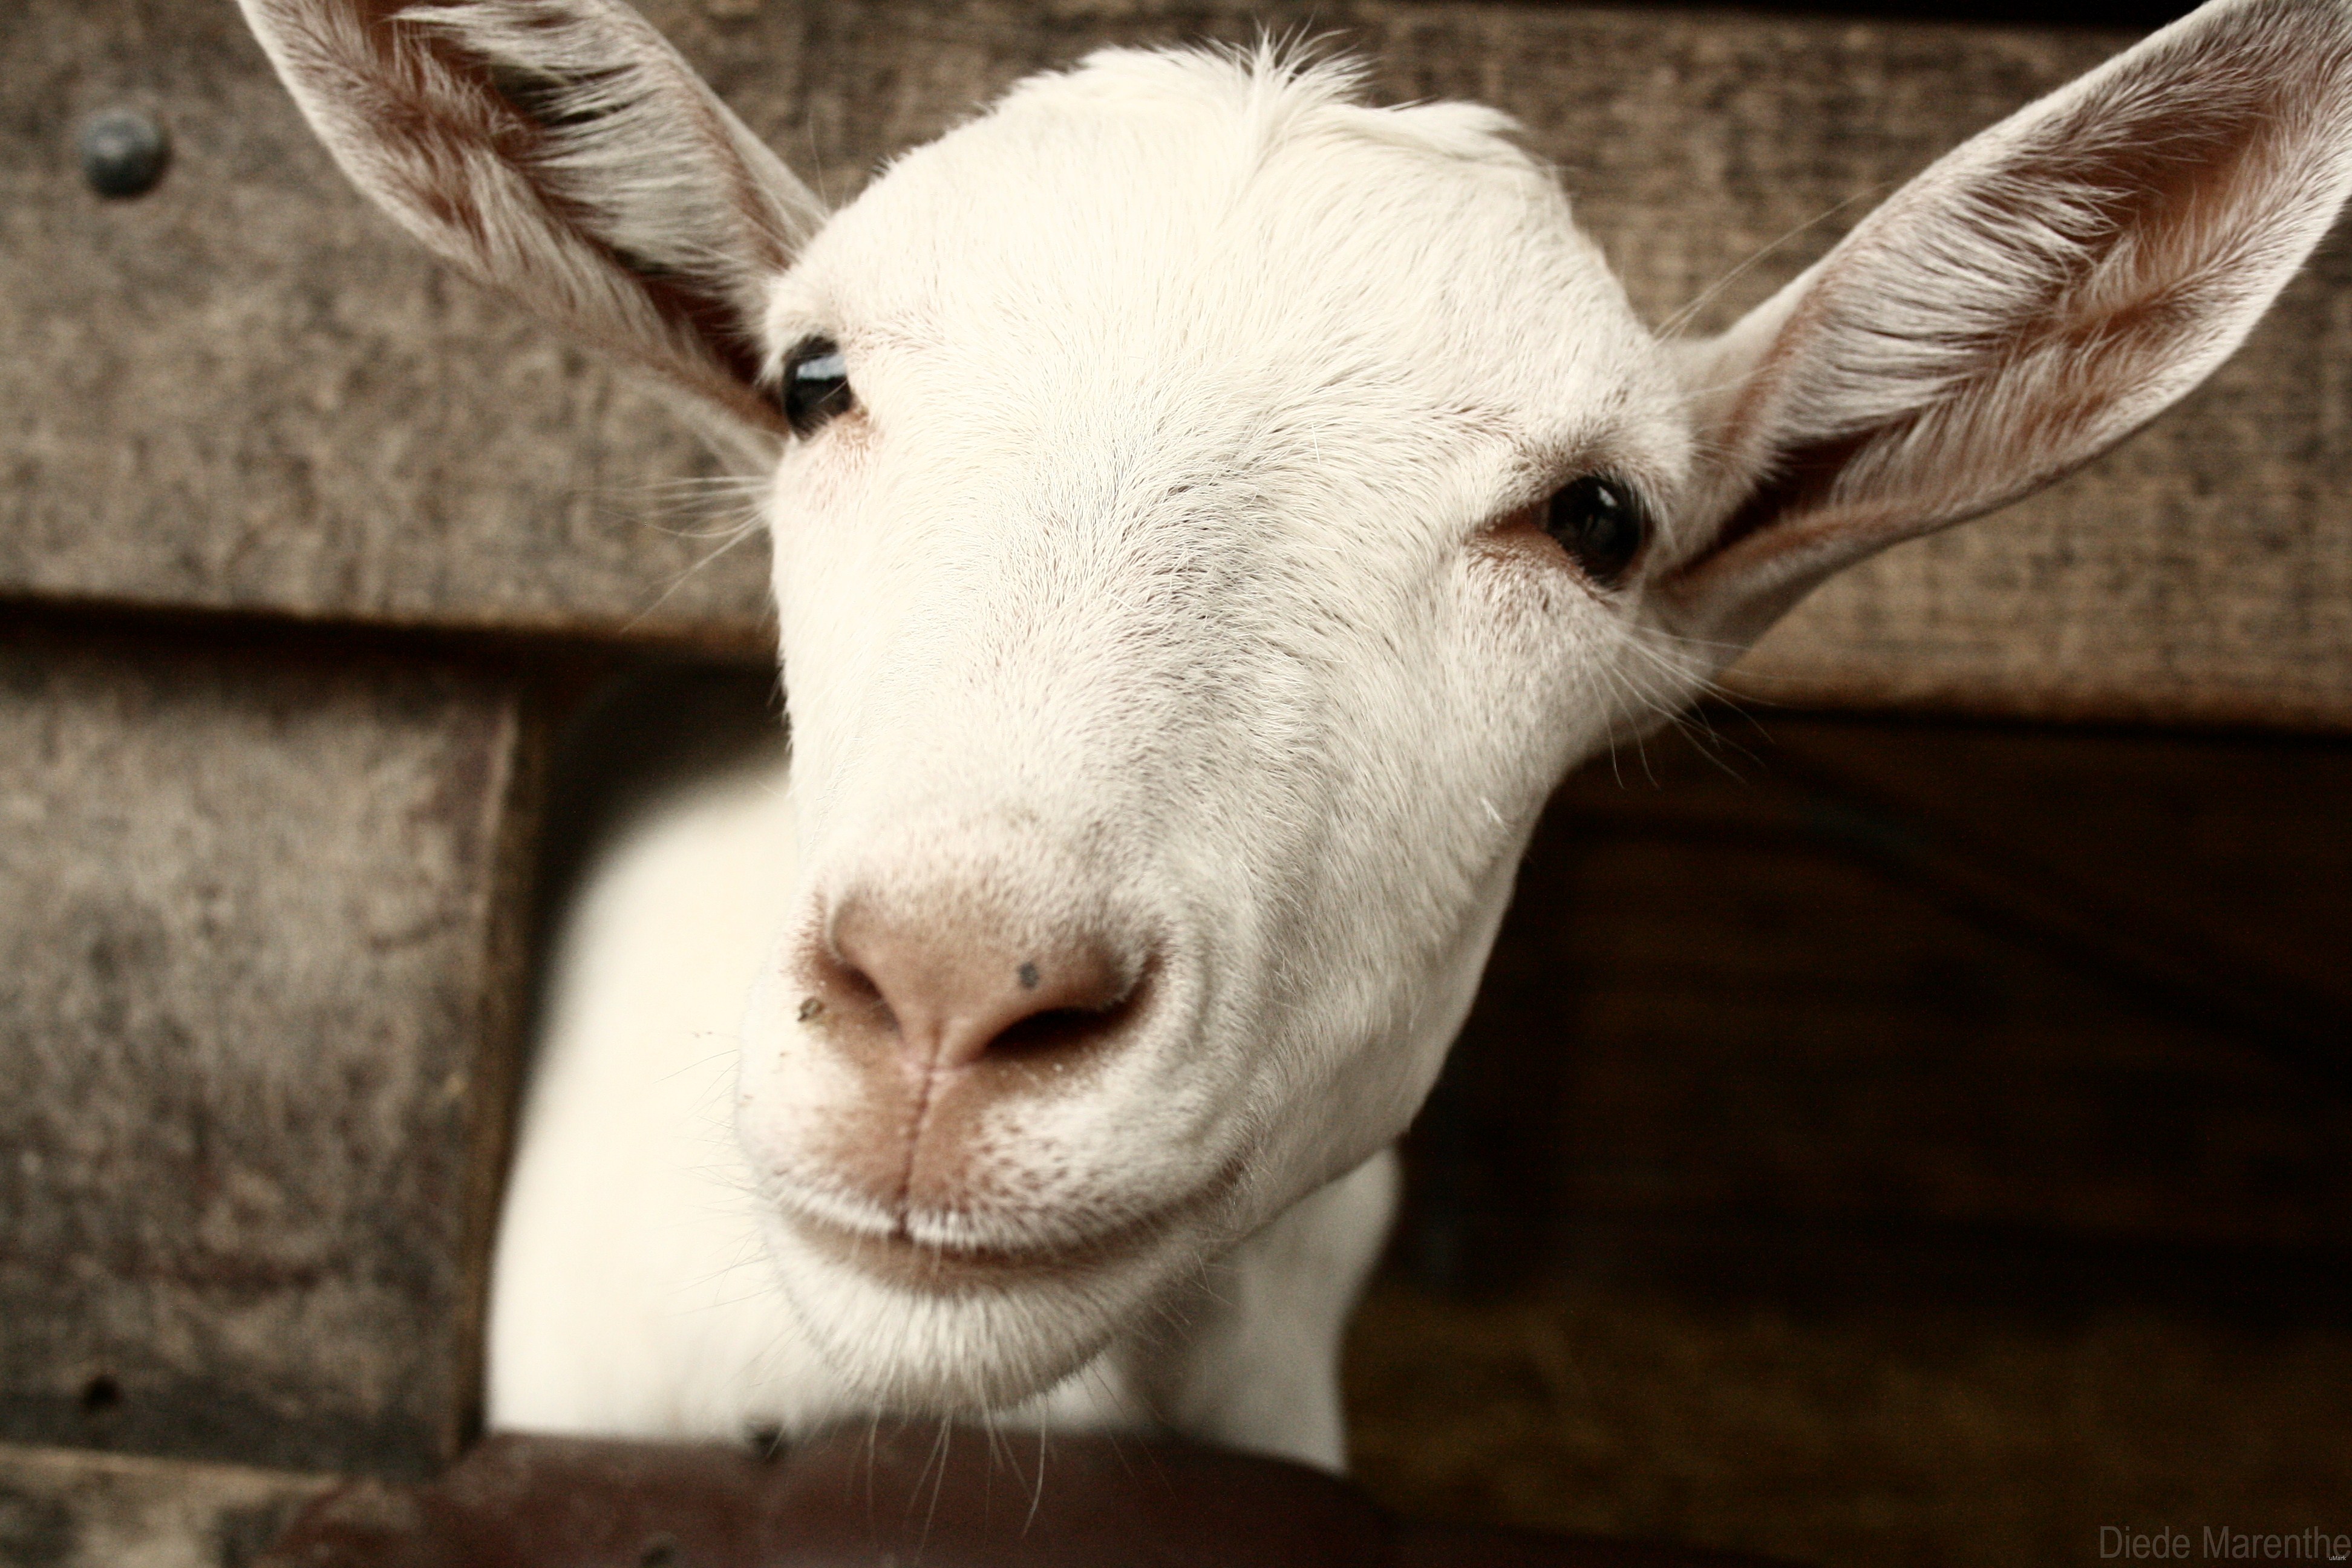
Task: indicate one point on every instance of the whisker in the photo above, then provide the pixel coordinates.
(1675, 323)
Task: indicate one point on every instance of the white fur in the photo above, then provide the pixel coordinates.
(1175, 582)
(632, 1292)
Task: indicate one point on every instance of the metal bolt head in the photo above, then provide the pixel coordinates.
(124, 152)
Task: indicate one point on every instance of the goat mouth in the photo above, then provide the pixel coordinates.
(899, 1257)
(934, 1268)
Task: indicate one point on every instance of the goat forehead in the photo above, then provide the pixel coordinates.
(1178, 380)
(1172, 213)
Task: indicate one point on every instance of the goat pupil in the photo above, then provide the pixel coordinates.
(1597, 522)
(816, 385)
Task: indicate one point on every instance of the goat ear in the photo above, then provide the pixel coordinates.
(561, 151)
(2030, 300)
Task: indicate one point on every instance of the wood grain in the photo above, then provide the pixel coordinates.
(259, 980)
(1926, 994)
(63, 1508)
(248, 392)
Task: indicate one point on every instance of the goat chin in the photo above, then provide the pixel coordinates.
(645, 1286)
(947, 1337)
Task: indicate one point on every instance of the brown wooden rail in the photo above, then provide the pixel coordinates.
(246, 392)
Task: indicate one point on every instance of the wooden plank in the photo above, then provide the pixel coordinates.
(259, 979)
(245, 390)
(1970, 987)
(886, 1493)
(1872, 1436)
(65, 1509)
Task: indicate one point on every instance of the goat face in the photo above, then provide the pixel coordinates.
(1229, 511)
(1176, 665)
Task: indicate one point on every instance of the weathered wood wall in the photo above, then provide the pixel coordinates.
(66, 1507)
(1894, 1144)
(248, 392)
(259, 950)
(260, 892)
(1938, 988)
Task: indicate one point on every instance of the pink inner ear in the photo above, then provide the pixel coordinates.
(2033, 298)
(511, 114)
(523, 142)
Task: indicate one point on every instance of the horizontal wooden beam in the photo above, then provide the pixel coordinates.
(246, 391)
(62, 1507)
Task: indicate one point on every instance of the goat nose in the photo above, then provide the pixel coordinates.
(941, 994)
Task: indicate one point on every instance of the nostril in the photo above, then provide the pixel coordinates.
(853, 985)
(1047, 1031)
(1059, 1029)
(948, 990)
(839, 993)
(1072, 997)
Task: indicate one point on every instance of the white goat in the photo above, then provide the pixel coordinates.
(1210, 515)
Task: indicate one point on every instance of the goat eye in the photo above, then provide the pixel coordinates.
(1600, 524)
(816, 385)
